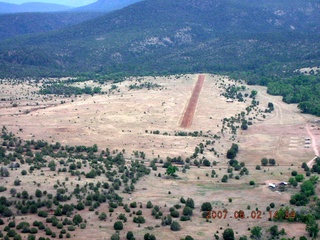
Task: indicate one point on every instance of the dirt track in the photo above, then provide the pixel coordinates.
(191, 108)
(314, 147)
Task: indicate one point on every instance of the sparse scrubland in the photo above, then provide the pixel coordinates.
(115, 163)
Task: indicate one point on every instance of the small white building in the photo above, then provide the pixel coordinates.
(229, 100)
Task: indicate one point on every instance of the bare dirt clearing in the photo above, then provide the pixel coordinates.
(129, 119)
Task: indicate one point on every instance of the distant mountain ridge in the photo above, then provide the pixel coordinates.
(165, 36)
(31, 7)
(12, 25)
(106, 5)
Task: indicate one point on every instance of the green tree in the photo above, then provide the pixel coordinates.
(77, 219)
(256, 232)
(38, 193)
(103, 216)
(228, 234)
(274, 231)
(307, 188)
(188, 237)
(187, 211)
(115, 237)
(171, 170)
(206, 163)
(130, 235)
(312, 227)
(190, 203)
(17, 182)
(118, 225)
(299, 178)
(272, 161)
(231, 154)
(52, 165)
(149, 204)
(206, 206)
(175, 226)
(264, 161)
(25, 194)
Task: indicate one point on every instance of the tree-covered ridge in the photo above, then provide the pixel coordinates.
(161, 36)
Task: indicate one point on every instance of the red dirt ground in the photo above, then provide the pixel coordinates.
(190, 110)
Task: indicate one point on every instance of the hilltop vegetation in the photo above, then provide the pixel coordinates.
(230, 36)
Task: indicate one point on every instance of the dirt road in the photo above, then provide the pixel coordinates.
(191, 108)
(314, 146)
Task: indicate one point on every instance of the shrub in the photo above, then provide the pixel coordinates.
(228, 234)
(133, 205)
(187, 211)
(17, 182)
(190, 203)
(130, 235)
(185, 218)
(188, 238)
(139, 219)
(103, 216)
(71, 228)
(206, 206)
(115, 237)
(118, 225)
(149, 204)
(149, 236)
(174, 214)
(175, 226)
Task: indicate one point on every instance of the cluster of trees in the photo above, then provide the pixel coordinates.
(316, 166)
(266, 161)
(148, 85)
(307, 189)
(192, 134)
(62, 89)
(234, 92)
(302, 89)
(293, 87)
(232, 152)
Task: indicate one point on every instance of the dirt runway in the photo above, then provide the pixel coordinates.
(191, 108)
